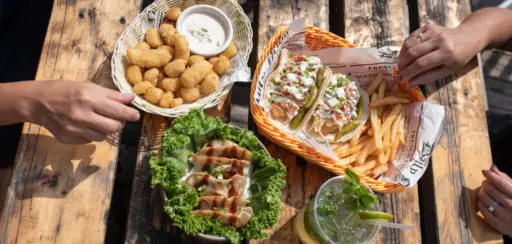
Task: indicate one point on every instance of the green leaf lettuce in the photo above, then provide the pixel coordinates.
(186, 136)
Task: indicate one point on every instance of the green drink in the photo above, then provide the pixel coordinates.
(331, 216)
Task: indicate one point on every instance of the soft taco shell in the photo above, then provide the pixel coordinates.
(283, 58)
(362, 121)
(311, 110)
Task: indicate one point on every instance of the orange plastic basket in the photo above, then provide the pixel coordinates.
(316, 39)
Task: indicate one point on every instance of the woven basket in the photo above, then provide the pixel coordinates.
(316, 39)
(152, 16)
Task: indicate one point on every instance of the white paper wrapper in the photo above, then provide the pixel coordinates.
(423, 121)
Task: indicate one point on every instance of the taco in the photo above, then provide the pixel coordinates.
(342, 110)
(293, 89)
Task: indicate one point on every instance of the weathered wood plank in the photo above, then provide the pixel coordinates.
(303, 179)
(60, 192)
(463, 150)
(146, 218)
(378, 24)
(5, 179)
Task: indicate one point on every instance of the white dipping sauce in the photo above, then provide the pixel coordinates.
(203, 32)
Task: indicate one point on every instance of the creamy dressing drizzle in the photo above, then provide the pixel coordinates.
(204, 32)
(340, 100)
(296, 77)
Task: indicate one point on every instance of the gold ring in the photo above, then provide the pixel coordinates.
(420, 36)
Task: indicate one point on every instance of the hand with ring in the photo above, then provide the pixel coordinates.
(495, 200)
(434, 52)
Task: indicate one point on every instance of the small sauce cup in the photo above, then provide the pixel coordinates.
(208, 30)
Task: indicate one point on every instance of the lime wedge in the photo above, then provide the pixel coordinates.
(380, 216)
(300, 228)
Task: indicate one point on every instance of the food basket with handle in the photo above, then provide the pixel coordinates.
(316, 39)
(152, 16)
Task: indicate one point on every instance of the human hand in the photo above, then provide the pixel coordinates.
(497, 187)
(438, 53)
(78, 112)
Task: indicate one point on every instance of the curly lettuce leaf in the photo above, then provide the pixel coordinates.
(192, 225)
(171, 141)
(244, 138)
(197, 126)
(266, 184)
(186, 136)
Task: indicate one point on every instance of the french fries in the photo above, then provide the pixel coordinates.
(394, 129)
(389, 100)
(395, 88)
(347, 160)
(381, 92)
(340, 146)
(354, 149)
(363, 154)
(392, 116)
(386, 113)
(401, 129)
(376, 144)
(370, 163)
(375, 122)
(354, 140)
(394, 149)
(378, 170)
(375, 83)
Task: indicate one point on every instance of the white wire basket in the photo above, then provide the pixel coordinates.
(153, 16)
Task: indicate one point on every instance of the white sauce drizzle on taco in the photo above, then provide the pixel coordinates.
(293, 88)
(339, 110)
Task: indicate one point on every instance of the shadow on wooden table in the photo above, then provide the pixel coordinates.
(479, 237)
(284, 234)
(53, 179)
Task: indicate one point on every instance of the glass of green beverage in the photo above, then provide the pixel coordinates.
(338, 212)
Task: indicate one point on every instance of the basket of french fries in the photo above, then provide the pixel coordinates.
(179, 55)
(338, 106)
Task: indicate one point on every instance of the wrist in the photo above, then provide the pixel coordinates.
(476, 43)
(467, 44)
(17, 102)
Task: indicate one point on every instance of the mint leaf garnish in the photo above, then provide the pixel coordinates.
(359, 196)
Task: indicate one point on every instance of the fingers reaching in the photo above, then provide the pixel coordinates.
(103, 123)
(499, 182)
(123, 98)
(491, 191)
(115, 110)
(420, 65)
(430, 76)
(497, 171)
(413, 39)
(408, 56)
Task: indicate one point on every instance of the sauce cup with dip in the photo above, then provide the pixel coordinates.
(208, 30)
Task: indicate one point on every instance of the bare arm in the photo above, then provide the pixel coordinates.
(434, 52)
(75, 112)
(496, 23)
(15, 104)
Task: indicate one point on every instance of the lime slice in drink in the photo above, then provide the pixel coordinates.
(380, 216)
(300, 228)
